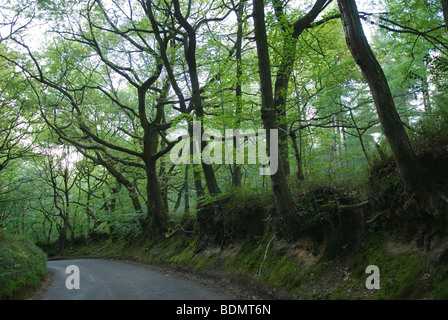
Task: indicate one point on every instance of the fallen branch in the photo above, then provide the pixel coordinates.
(354, 206)
(374, 218)
(265, 255)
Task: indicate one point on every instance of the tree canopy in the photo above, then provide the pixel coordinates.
(93, 95)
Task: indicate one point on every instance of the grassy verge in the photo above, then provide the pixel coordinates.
(275, 269)
(22, 266)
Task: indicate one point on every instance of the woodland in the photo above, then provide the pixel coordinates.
(93, 91)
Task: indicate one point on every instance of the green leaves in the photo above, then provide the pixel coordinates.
(83, 89)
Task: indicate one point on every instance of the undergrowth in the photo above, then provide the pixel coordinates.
(354, 226)
(22, 265)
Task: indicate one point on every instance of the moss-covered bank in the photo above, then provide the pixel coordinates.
(22, 266)
(272, 268)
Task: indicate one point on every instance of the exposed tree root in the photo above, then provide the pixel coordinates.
(442, 196)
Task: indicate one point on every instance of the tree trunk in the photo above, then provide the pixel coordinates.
(155, 206)
(445, 12)
(186, 189)
(109, 207)
(179, 198)
(163, 172)
(297, 155)
(190, 56)
(409, 168)
(62, 240)
(236, 168)
(121, 179)
(291, 33)
(156, 211)
(196, 173)
(361, 141)
(285, 206)
(281, 94)
(236, 175)
(425, 88)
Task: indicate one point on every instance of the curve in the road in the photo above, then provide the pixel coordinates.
(113, 280)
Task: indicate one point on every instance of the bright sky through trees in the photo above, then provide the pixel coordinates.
(103, 86)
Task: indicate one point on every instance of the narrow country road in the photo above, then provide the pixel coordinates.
(113, 280)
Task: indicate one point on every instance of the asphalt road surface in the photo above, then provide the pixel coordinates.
(113, 280)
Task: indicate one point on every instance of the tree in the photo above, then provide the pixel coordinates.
(190, 44)
(60, 179)
(16, 118)
(66, 76)
(284, 202)
(445, 12)
(291, 32)
(236, 168)
(114, 79)
(409, 167)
